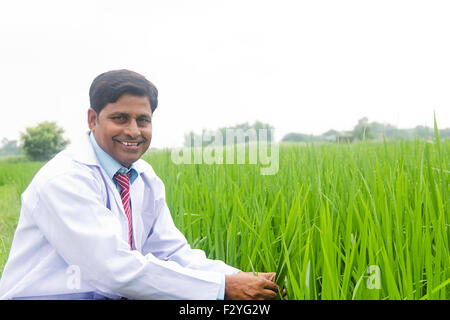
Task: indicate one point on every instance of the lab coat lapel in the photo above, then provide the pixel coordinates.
(83, 152)
(111, 187)
(136, 194)
(137, 202)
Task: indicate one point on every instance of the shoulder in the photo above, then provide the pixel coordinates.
(78, 160)
(63, 165)
(60, 178)
(63, 172)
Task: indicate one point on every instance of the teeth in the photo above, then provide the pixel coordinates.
(134, 144)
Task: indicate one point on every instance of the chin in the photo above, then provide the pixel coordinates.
(126, 162)
(129, 162)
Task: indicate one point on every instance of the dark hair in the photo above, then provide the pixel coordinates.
(109, 86)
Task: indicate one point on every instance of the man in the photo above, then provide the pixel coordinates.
(94, 222)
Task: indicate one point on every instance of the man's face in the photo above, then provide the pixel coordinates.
(123, 129)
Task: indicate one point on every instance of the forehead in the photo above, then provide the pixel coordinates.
(128, 103)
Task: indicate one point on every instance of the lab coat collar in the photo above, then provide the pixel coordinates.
(109, 164)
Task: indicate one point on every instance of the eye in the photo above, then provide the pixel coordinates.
(119, 118)
(145, 121)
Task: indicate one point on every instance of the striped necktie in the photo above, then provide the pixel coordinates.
(124, 182)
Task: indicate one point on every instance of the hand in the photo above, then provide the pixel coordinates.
(271, 276)
(246, 286)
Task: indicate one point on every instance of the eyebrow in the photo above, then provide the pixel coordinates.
(124, 114)
(115, 114)
(145, 116)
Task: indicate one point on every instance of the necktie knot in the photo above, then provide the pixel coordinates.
(123, 180)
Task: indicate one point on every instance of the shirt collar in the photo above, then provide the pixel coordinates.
(110, 165)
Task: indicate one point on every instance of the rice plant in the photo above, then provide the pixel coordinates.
(357, 221)
(366, 220)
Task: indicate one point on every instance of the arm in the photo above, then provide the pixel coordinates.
(72, 217)
(166, 242)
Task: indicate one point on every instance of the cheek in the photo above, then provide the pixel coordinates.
(112, 131)
(107, 134)
(147, 133)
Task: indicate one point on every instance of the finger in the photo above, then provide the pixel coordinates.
(269, 294)
(271, 285)
(268, 275)
(265, 294)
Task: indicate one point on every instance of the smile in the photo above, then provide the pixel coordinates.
(131, 144)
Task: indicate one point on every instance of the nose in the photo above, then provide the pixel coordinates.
(132, 129)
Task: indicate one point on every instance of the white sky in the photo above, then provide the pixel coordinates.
(302, 66)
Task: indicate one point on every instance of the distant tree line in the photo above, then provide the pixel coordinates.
(46, 139)
(368, 131)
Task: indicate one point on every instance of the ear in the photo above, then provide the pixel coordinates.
(92, 119)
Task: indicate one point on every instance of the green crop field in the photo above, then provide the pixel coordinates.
(366, 220)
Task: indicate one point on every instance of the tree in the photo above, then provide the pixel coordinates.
(363, 130)
(9, 148)
(423, 132)
(297, 137)
(43, 141)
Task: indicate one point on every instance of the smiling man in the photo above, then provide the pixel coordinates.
(123, 129)
(94, 223)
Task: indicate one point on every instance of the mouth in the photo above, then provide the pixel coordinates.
(129, 145)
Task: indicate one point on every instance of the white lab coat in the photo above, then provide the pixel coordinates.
(72, 238)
